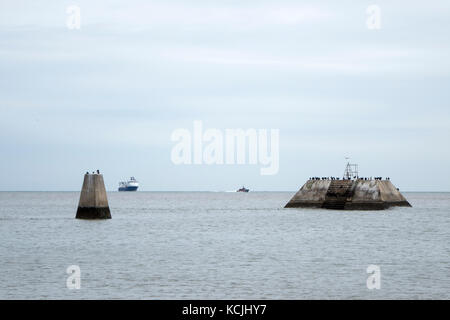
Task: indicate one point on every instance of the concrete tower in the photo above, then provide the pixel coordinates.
(93, 201)
(349, 193)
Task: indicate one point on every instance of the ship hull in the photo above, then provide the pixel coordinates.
(128, 188)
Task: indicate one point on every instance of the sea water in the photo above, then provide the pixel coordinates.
(218, 245)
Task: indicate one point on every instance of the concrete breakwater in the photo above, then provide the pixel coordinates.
(93, 202)
(348, 195)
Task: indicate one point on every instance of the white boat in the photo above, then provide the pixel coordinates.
(130, 185)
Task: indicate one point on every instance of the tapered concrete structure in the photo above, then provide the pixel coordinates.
(93, 201)
(348, 195)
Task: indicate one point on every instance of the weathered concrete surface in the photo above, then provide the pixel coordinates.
(338, 194)
(93, 202)
(376, 195)
(348, 195)
(389, 193)
(312, 194)
(366, 195)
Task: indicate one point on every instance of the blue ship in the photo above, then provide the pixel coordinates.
(130, 185)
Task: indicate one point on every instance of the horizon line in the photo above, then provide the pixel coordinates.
(215, 191)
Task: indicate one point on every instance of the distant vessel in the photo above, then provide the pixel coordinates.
(130, 185)
(243, 189)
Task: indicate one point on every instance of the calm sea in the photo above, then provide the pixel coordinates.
(180, 245)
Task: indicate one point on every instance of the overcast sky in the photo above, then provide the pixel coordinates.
(109, 95)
